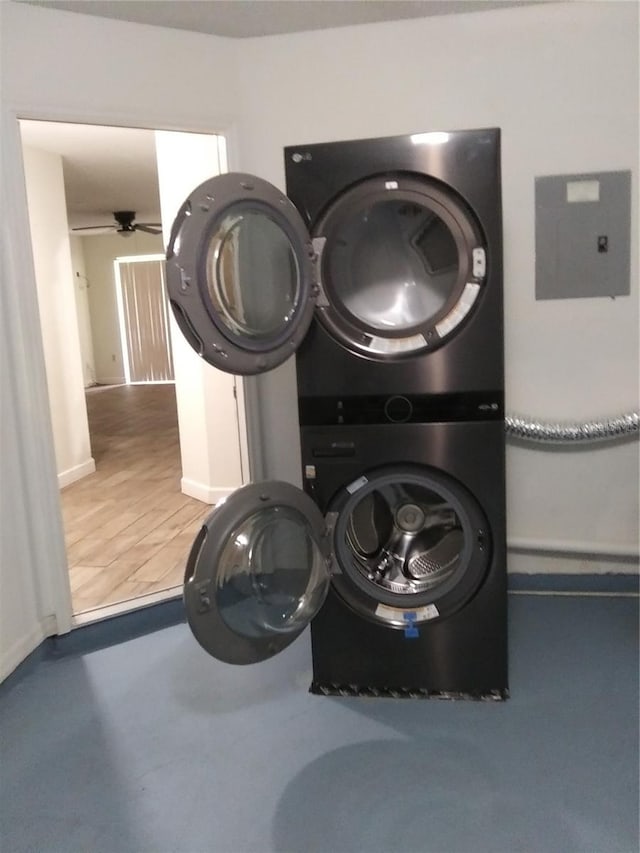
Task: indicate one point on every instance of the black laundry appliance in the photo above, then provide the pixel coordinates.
(383, 270)
(408, 234)
(423, 532)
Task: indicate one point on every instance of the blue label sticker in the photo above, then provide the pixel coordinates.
(410, 631)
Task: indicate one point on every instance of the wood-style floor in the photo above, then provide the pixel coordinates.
(128, 527)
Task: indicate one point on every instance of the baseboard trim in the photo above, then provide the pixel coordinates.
(575, 548)
(203, 492)
(110, 380)
(118, 629)
(19, 654)
(136, 623)
(65, 478)
(87, 638)
(597, 584)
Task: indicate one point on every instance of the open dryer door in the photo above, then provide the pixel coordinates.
(240, 274)
(258, 572)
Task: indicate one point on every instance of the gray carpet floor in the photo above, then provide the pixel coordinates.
(150, 745)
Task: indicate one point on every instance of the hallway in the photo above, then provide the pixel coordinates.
(128, 527)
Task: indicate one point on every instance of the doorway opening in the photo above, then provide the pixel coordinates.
(128, 522)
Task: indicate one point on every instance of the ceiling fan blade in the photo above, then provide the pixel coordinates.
(147, 228)
(100, 229)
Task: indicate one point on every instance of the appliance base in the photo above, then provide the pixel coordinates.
(497, 695)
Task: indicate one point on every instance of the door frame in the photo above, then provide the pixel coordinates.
(47, 557)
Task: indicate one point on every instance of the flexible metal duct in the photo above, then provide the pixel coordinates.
(608, 429)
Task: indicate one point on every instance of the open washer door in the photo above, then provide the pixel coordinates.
(258, 572)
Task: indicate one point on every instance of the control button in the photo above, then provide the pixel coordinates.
(398, 409)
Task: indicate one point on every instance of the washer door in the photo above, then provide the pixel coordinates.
(240, 274)
(258, 572)
(402, 264)
(412, 545)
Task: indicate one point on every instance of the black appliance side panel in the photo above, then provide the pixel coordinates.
(464, 653)
(473, 359)
(469, 162)
(471, 452)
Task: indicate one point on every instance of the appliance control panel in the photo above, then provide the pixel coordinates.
(399, 409)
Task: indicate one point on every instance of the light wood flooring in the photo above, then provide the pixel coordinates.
(128, 527)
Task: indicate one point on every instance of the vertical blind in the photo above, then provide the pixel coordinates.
(145, 320)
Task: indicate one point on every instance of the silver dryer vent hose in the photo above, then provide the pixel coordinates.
(609, 429)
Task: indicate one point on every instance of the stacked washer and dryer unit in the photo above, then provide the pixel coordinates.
(401, 405)
(383, 269)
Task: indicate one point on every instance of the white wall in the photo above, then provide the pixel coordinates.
(100, 251)
(561, 80)
(23, 623)
(69, 67)
(58, 316)
(81, 288)
(207, 411)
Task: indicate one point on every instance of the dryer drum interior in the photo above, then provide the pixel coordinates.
(408, 538)
(398, 255)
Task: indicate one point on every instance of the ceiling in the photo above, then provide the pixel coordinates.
(248, 18)
(105, 169)
(112, 168)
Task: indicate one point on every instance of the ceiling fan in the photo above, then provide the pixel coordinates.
(124, 224)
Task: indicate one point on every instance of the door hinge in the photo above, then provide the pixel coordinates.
(330, 520)
(318, 289)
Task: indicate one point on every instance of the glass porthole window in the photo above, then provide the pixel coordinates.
(240, 274)
(271, 574)
(252, 276)
(258, 572)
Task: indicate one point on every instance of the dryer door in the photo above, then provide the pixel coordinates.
(412, 544)
(402, 263)
(258, 572)
(240, 274)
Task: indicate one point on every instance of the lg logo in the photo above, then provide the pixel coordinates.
(298, 158)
